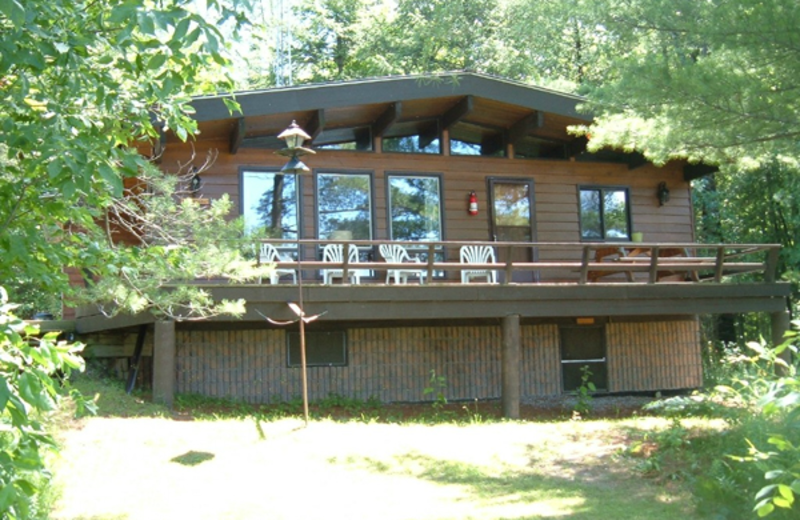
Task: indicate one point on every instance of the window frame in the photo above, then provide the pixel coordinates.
(603, 188)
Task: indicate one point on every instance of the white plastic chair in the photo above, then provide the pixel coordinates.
(268, 255)
(396, 254)
(478, 255)
(335, 253)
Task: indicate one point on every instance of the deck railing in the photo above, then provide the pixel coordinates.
(557, 261)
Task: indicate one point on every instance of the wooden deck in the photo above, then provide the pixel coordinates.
(571, 262)
(707, 280)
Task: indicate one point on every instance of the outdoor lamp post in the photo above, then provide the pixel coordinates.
(294, 136)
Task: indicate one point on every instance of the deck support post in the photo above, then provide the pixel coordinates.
(511, 361)
(781, 323)
(164, 363)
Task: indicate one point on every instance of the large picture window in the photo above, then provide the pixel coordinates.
(269, 204)
(604, 213)
(344, 206)
(415, 208)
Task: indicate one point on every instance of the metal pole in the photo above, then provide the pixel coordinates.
(302, 337)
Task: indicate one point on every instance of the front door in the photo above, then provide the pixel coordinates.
(511, 214)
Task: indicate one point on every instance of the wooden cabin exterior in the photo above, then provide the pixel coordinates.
(545, 205)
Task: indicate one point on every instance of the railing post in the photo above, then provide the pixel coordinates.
(509, 266)
(431, 259)
(653, 274)
(718, 269)
(584, 265)
(771, 266)
(346, 263)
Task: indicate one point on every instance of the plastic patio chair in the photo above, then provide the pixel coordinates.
(397, 254)
(268, 255)
(478, 255)
(335, 253)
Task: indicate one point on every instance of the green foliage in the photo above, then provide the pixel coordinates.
(171, 241)
(557, 44)
(82, 83)
(436, 387)
(758, 206)
(584, 393)
(755, 460)
(32, 371)
(705, 81)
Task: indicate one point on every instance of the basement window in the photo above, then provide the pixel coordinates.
(580, 347)
(323, 348)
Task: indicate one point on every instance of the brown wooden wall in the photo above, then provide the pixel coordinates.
(555, 187)
(395, 363)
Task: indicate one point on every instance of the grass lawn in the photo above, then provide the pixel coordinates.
(161, 468)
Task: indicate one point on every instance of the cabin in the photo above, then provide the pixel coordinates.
(448, 225)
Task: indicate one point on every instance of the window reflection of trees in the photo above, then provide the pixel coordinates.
(415, 208)
(615, 214)
(409, 144)
(344, 205)
(604, 214)
(270, 204)
(512, 205)
(590, 214)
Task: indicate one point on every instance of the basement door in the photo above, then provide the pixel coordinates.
(511, 211)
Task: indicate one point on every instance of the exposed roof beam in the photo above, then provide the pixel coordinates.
(237, 135)
(521, 128)
(316, 124)
(458, 112)
(387, 119)
(363, 139)
(429, 134)
(695, 171)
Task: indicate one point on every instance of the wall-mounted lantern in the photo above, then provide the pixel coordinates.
(195, 183)
(662, 192)
(294, 136)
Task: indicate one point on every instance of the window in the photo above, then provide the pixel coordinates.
(580, 347)
(323, 348)
(410, 144)
(269, 204)
(344, 206)
(414, 208)
(458, 147)
(604, 213)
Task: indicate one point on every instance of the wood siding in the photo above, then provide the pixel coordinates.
(395, 363)
(555, 189)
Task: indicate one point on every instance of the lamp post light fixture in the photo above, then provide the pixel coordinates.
(294, 136)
